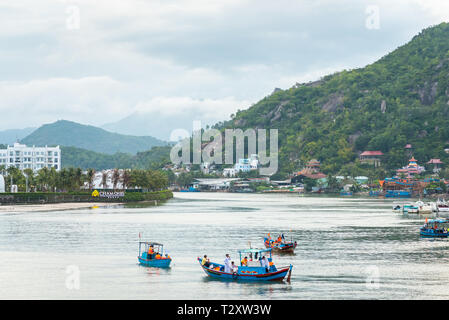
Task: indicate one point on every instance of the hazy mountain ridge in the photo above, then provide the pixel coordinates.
(12, 135)
(72, 134)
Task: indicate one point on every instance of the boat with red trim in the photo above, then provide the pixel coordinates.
(255, 268)
(280, 244)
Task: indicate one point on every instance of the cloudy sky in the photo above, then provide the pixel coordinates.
(98, 61)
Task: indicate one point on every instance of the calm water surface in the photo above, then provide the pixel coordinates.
(343, 243)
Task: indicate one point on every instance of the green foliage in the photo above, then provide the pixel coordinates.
(152, 159)
(338, 117)
(57, 197)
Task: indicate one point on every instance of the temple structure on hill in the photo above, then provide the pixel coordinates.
(411, 169)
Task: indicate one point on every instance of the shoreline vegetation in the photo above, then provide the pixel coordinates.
(42, 198)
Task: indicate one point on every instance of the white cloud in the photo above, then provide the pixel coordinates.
(89, 100)
(203, 56)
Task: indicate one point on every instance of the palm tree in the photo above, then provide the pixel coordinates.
(126, 178)
(90, 177)
(104, 179)
(42, 179)
(115, 178)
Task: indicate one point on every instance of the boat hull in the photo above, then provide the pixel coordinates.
(284, 248)
(277, 275)
(430, 234)
(155, 263)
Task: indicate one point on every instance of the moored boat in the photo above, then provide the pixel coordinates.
(424, 208)
(153, 255)
(410, 208)
(280, 244)
(442, 206)
(437, 228)
(253, 270)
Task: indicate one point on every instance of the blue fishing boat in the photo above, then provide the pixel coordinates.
(398, 194)
(253, 269)
(345, 193)
(437, 228)
(153, 255)
(280, 244)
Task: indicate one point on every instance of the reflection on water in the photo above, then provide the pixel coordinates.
(340, 242)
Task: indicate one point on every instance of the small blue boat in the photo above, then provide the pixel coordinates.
(345, 193)
(153, 255)
(437, 228)
(253, 271)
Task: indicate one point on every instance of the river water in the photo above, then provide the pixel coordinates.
(348, 248)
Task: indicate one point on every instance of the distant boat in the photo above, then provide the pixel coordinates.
(345, 193)
(442, 206)
(254, 271)
(410, 208)
(437, 228)
(191, 189)
(280, 246)
(156, 259)
(424, 208)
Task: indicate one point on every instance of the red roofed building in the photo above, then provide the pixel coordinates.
(371, 157)
(436, 164)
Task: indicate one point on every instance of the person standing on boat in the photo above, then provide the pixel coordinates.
(203, 262)
(150, 252)
(227, 264)
(264, 263)
(244, 262)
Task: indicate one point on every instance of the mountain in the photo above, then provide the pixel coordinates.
(151, 159)
(72, 134)
(402, 98)
(12, 135)
(161, 125)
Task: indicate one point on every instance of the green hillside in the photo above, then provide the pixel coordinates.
(151, 159)
(67, 133)
(402, 98)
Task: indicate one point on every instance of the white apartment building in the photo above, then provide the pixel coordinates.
(244, 165)
(24, 157)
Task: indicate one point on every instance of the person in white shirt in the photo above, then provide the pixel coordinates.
(227, 264)
(264, 263)
(234, 268)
